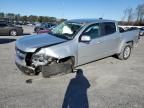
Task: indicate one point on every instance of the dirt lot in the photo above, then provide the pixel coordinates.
(107, 83)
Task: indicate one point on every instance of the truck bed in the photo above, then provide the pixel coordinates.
(132, 35)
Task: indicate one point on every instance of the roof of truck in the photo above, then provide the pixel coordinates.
(90, 20)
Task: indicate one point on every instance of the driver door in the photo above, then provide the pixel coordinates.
(93, 50)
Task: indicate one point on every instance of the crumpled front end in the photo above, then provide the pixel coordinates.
(34, 63)
(23, 62)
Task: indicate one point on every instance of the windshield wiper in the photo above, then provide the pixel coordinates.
(60, 36)
(68, 37)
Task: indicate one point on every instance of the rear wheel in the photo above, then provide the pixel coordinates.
(125, 54)
(13, 33)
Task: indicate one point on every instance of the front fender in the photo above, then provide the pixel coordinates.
(62, 50)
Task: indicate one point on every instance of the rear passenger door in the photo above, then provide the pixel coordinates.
(110, 37)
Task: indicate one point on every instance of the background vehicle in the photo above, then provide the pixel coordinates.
(142, 31)
(132, 28)
(74, 42)
(121, 29)
(7, 29)
(46, 30)
(44, 26)
(30, 24)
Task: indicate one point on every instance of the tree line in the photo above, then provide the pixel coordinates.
(130, 17)
(30, 18)
(133, 16)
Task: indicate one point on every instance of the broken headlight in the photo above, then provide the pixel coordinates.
(40, 59)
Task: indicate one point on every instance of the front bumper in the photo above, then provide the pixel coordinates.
(22, 66)
(47, 71)
(26, 70)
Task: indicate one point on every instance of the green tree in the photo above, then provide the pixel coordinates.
(24, 18)
(10, 16)
(40, 19)
(32, 18)
(2, 15)
(140, 13)
(17, 17)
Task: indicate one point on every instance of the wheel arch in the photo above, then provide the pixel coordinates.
(67, 58)
(123, 44)
(130, 43)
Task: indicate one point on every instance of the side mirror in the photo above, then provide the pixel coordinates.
(85, 38)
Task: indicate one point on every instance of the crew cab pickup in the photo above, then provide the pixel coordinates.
(73, 43)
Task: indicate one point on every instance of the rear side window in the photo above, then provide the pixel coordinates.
(108, 28)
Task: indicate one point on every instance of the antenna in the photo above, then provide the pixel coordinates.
(101, 17)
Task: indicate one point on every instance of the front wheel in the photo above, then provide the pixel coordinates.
(71, 62)
(125, 54)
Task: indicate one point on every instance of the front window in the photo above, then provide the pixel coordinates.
(66, 30)
(92, 31)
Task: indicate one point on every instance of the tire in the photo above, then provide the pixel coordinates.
(13, 33)
(71, 62)
(37, 30)
(126, 52)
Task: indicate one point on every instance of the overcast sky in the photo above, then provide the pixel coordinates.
(70, 9)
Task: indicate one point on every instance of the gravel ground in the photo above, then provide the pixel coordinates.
(107, 83)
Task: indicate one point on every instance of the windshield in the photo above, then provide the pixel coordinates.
(66, 30)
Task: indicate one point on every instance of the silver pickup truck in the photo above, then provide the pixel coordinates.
(73, 43)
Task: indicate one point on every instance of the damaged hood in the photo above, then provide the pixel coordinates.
(31, 43)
